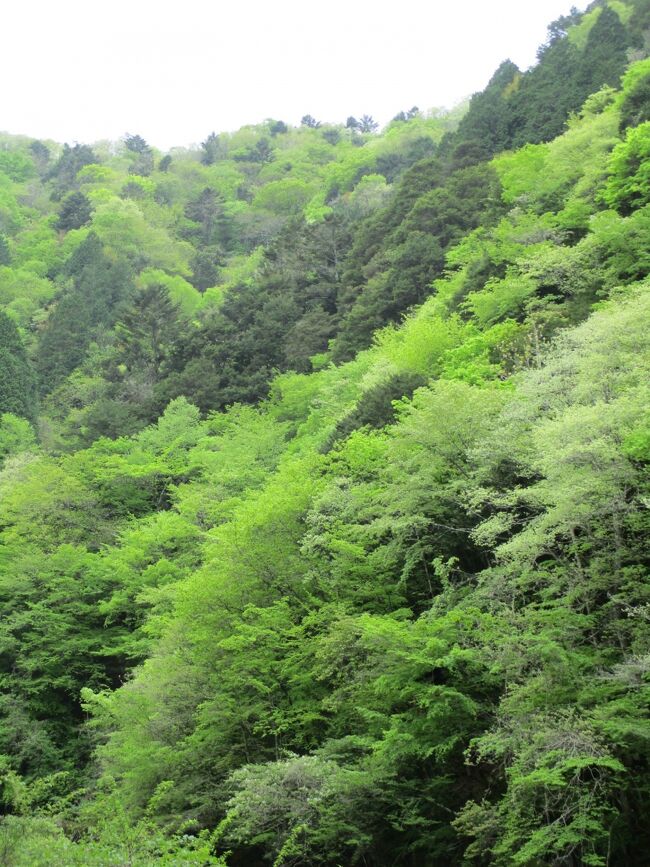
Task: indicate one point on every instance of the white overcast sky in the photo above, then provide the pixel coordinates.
(84, 70)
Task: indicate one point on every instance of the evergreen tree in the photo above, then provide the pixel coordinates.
(99, 285)
(210, 149)
(75, 212)
(5, 253)
(41, 153)
(63, 173)
(17, 380)
(605, 55)
(147, 331)
(485, 129)
(143, 160)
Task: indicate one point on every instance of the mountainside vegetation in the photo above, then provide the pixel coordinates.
(324, 491)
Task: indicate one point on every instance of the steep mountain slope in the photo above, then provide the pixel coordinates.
(391, 606)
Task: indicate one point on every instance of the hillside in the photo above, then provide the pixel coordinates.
(324, 482)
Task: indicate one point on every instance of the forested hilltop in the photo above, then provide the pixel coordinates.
(324, 483)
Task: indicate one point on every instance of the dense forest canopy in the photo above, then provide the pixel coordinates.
(324, 482)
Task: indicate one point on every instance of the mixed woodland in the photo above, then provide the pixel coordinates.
(324, 491)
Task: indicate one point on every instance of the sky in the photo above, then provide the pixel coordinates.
(172, 72)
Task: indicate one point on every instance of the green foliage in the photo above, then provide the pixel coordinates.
(628, 186)
(413, 253)
(99, 284)
(122, 227)
(5, 253)
(560, 802)
(329, 545)
(635, 102)
(16, 435)
(485, 128)
(17, 381)
(75, 212)
(40, 841)
(63, 173)
(142, 159)
(16, 165)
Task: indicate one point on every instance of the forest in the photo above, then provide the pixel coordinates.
(324, 483)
